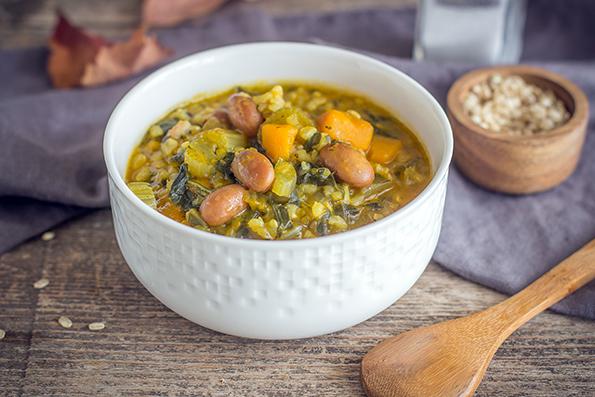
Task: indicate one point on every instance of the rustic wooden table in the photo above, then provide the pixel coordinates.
(146, 349)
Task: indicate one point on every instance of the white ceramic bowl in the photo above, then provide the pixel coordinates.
(277, 289)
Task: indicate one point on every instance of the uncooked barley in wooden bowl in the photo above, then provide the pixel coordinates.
(517, 129)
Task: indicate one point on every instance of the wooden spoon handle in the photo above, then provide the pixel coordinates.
(571, 274)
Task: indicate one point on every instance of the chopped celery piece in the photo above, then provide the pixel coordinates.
(200, 158)
(285, 179)
(143, 191)
(290, 115)
(307, 132)
(208, 147)
(224, 139)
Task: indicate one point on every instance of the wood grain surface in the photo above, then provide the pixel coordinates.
(145, 349)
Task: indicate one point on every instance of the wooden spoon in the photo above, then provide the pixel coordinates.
(450, 358)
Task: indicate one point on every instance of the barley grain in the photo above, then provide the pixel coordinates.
(47, 236)
(510, 105)
(96, 326)
(65, 322)
(41, 283)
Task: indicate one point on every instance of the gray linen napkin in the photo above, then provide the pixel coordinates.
(52, 165)
(505, 241)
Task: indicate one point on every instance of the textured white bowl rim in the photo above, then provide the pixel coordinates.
(441, 169)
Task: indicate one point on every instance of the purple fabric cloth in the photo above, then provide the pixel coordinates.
(53, 170)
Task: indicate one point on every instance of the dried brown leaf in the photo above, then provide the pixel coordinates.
(79, 58)
(71, 50)
(121, 60)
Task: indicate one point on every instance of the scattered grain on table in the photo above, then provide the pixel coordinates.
(41, 283)
(47, 236)
(65, 322)
(96, 326)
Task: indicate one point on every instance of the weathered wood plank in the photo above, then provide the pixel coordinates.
(28, 23)
(18, 272)
(146, 349)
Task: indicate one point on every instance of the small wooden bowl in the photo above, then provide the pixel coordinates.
(518, 164)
